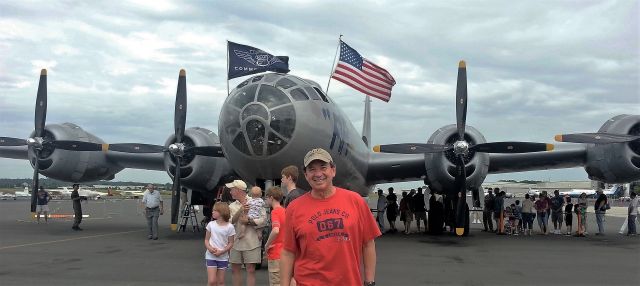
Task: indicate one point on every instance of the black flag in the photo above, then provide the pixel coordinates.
(246, 60)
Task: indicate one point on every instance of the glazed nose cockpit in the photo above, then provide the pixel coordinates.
(260, 118)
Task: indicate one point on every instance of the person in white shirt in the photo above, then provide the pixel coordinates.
(152, 202)
(218, 242)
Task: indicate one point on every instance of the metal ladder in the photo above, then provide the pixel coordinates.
(189, 216)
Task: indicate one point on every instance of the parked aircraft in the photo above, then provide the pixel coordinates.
(7, 196)
(66, 193)
(23, 194)
(132, 194)
(271, 120)
(615, 191)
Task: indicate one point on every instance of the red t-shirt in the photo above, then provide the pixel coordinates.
(327, 236)
(277, 220)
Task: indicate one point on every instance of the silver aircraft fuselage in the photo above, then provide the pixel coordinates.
(271, 121)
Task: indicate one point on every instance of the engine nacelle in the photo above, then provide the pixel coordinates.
(619, 162)
(72, 166)
(198, 172)
(441, 169)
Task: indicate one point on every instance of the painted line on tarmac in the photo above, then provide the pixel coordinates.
(68, 239)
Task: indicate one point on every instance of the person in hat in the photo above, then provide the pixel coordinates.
(77, 207)
(329, 232)
(246, 248)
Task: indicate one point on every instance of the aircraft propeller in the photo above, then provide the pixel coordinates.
(597, 138)
(461, 147)
(177, 149)
(37, 142)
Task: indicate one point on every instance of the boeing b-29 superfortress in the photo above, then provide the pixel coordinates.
(271, 120)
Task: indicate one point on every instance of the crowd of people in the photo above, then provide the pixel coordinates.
(516, 218)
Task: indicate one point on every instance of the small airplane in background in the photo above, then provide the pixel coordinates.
(66, 193)
(23, 194)
(132, 194)
(7, 196)
(615, 191)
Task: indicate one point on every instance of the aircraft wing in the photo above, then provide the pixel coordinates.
(145, 161)
(563, 156)
(388, 167)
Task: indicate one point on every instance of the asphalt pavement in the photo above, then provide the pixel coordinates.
(113, 250)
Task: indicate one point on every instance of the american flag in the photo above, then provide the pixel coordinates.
(363, 75)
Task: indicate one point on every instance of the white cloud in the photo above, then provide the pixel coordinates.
(536, 67)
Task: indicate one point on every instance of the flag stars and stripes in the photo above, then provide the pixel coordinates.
(363, 75)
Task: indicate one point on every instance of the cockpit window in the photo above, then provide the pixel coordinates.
(283, 120)
(298, 94)
(321, 93)
(312, 93)
(245, 96)
(271, 96)
(256, 134)
(260, 117)
(242, 84)
(285, 83)
(255, 109)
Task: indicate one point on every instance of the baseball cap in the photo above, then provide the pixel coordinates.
(317, 154)
(240, 184)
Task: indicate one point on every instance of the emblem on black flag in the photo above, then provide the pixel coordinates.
(246, 60)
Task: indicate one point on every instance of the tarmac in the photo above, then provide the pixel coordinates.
(113, 250)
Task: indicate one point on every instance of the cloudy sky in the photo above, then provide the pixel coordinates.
(535, 68)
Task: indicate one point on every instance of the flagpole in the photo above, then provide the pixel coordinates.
(227, 67)
(334, 64)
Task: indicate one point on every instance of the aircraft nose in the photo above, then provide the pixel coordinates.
(258, 118)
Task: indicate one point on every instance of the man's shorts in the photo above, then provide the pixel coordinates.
(245, 256)
(220, 264)
(556, 216)
(42, 208)
(274, 272)
(421, 215)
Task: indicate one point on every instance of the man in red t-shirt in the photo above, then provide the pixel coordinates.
(329, 232)
(274, 242)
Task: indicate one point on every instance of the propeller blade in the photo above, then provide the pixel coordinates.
(180, 115)
(596, 138)
(209, 151)
(461, 184)
(175, 195)
(411, 148)
(511, 147)
(461, 99)
(35, 182)
(135, 148)
(8, 141)
(73, 145)
(41, 104)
